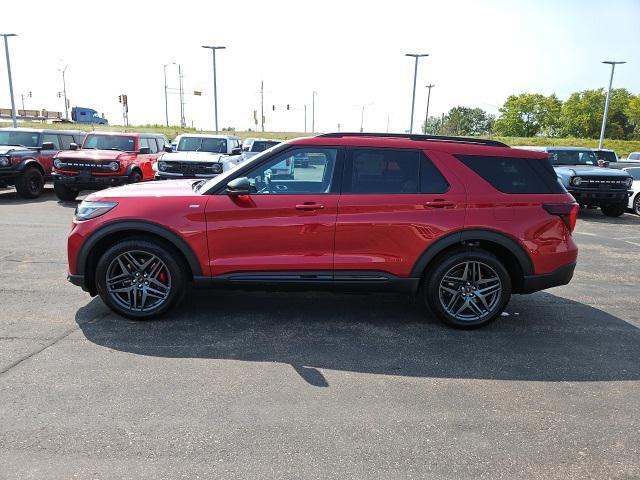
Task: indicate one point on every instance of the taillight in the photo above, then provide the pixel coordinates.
(568, 212)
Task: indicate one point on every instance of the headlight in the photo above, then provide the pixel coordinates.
(57, 163)
(4, 162)
(114, 166)
(216, 168)
(576, 181)
(629, 182)
(87, 210)
(162, 166)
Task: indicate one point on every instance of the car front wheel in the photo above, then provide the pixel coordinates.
(636, 204)
(30, 183)
(614, 209)
(140, 279)
(467, 289)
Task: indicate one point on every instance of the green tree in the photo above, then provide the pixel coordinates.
(582, 114)
(633, 113)
(467, 121)
(529, 114)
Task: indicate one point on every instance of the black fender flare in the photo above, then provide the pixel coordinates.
(131, 168)
(137, 226)
(501, 239)
(30, 162)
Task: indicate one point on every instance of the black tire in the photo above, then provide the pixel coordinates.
(135, 177)
(636, 204)
(142, 250)
(65, 193)
(467, 292)
(30, 183)
(614, 209)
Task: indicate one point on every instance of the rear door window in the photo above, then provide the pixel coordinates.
(515, 175)
(48, 137)
(66, 141)
(153, 146)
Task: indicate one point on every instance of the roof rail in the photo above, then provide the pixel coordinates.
(411, 136)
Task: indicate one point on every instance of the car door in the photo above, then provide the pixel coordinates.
(146, 160)
(284, 226)
(394, 204)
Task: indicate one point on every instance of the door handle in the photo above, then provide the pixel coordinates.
(309, 206)
(439, 204)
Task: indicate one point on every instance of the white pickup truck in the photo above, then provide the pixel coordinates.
(199, 156)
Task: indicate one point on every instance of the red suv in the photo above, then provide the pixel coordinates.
(106, 159)
(463, 223)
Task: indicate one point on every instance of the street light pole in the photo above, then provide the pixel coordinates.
(6, 51)
(64, 90)
(606, 102)
(215, 86)
(426, 117)
(415, 77)
(166, 100)
(313, 112)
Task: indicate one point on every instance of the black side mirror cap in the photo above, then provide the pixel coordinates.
(73, 146)
(236, 151)
(168, 149)
(144, 151)
(239, 186)
(48, 146)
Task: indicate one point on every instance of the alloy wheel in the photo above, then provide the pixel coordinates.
(470, 291)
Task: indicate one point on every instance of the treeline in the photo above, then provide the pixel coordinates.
(533, 114)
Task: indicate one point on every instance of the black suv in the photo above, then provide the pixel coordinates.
(26, 156)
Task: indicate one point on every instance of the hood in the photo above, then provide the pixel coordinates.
(589, 171)
(4, 149)
(191, 157)
(164, 188)
(93, 155)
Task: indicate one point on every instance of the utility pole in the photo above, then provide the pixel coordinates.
(262, 105)
(166, 100)
(387, 123)
(305, 118)
(6, 51)
(64, 91)
(362, 120)
(183, 122)
(415, 77)
(22, 95)
(215, 86)
(426, 117)
(606, 102)
(313, 112)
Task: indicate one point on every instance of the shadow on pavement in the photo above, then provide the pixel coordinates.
(10, 197)
(596, 216)
(551, 339)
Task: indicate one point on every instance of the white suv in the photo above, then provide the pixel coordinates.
(199, 156)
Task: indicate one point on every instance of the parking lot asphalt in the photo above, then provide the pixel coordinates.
(309, 385)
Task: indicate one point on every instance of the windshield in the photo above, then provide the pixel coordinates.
(261, 146)
(606, 156)
(110, 142)
(634, 172)
(26, 139)
(573, 157)
(202, 144)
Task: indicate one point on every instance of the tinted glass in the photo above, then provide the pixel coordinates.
(632, 156)
(573, 157)
(161, 143)
(109, 142)
(606, 156)
(26, 139)
(384, 171)
(261, 146)
(515, 175)
(634, 172)
(47, 137)
(66, 141)
(200, 144)
(153, 146)
(431, 180)
(278, 176)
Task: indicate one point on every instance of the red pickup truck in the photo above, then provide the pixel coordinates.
(106, 159)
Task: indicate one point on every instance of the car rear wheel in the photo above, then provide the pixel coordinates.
(614, 209)
(30, 184)
(140, 279)
(636, 204)
(135, 177)
(467, 289)
(64, 193)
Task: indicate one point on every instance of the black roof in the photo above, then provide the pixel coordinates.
(411, 136)
(43, 130)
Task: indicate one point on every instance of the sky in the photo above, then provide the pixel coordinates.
(352, 53)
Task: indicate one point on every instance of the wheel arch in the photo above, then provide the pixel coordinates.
(509, 251)
(30, 162)
(106, 236)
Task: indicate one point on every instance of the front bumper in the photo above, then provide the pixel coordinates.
(171, 175)
(9, 173)
(599, 197)
(89, 182)
(560, 276)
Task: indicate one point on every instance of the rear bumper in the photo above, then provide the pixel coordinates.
(89, 182)
(77, 280)
(561, 276)
(600, 197)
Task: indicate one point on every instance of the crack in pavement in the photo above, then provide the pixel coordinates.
(51, 343)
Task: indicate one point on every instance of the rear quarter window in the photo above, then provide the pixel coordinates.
(515, 175)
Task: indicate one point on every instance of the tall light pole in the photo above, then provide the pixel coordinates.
(313, 112)
(166, 100)
(64, 91)
(415, 76)
(426, 117)
(606, 102)
(6, 51)
(215, 86)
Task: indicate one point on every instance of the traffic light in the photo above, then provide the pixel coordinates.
(119, 98)
(287, 106)
(273, 107)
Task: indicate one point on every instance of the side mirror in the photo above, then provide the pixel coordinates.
(73, 146)
(48, 146)
(236, 151)
(168, 148)
(239, 186)
(144, 151)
